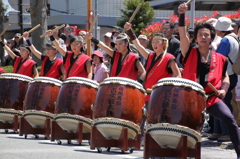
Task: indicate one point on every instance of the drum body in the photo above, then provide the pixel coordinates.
(118, 104)
(74, 103)
(177, 101)
(12, 94)
(40, 100)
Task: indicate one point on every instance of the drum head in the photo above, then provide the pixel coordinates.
(47, 80)
(123, 81)
(179, 82)
(169, 135)
(111, 128)
(69, 122)
(81, 80)
(16, 77)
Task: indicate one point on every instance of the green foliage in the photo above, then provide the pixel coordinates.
(8, 69)
(143, 18)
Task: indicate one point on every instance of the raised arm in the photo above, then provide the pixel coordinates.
(135, 40)
(31, 46)
(185, 42)
(100, 44)
(9, 51)
(56, 43)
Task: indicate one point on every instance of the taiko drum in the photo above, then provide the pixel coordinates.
(12, 93)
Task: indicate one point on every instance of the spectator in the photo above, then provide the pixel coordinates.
(57, 35)
(174, 43)
(228, 47)
(100, 70)
(217, 38)
(144, 42)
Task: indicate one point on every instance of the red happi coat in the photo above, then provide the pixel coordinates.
(54, 71)
(26, 68)
(157, 72)
(128, 66)
(78, 67)
(214, 75)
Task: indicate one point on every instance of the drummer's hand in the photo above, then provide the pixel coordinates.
(26, 35)
(182, 8)
(127, 26)
(181, 70)
(221, 94)
(0, 38)
(49, 32)
(89, 36)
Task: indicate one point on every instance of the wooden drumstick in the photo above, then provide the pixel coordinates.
(93, 23)
(212, 87)
(148, 91)
(188, 2)
(133, 15)
(9, 25)
(31, 30)
(60, 27)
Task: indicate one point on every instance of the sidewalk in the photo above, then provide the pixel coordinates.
(224, 145)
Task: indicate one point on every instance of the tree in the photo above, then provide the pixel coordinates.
(38, 11)
(143, 18)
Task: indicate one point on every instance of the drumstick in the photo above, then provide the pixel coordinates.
(93, 23)
(31, 30)
(60, 27)
(148, 91)
(9, 25)
(133, 15)
(188, 2)
(212, 87)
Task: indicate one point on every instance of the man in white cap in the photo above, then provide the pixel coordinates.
(217, 39)
(228, 47)
(144, 42)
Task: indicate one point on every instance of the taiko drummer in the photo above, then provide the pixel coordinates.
(76, 63)
(160, 64)
(124, 62)
(205, 66)
(22, 64)
(51, 65)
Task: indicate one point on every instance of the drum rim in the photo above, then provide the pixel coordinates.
(81, 80)
(15, 76)
(11, 111)
(46, 80)
(123, 81)
(74, 117)
(195, 86)
(38, 113)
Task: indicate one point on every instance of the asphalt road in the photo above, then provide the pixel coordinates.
(13, 146)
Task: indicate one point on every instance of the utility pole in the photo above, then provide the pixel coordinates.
(89, 18)
(96, 12)
(192, 14)
(20, 16)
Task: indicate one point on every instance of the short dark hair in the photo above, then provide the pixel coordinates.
(101, 60)
(159, 35)
(207, 26)
(26, 47)
(170, 24)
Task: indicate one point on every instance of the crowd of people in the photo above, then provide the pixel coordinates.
(204, 55)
